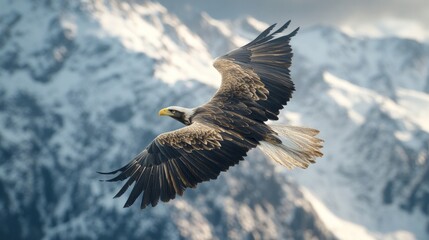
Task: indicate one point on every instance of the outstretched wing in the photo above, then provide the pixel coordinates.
(180, 159)
(256, 76)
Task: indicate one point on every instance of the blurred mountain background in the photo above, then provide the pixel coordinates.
(81, 83)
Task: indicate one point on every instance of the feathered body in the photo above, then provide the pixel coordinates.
(255, 85)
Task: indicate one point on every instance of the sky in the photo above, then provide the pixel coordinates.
(405, 18)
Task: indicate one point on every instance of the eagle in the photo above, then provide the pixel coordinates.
(256, 84)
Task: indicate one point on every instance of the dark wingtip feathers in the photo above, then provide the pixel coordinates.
(265, 32)
(108, 173)
(283, 27)
(294, 32)
(261, 36)
(268, 35)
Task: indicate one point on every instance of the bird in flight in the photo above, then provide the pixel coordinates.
(256, 83)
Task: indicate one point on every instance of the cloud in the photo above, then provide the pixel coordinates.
(364, 14)
(389, 27)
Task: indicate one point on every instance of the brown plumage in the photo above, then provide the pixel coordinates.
(255, 85)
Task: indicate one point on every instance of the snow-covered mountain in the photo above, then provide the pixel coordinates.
(80, 86)
(375, 103)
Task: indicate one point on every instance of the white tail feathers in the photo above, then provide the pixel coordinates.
(299, 146)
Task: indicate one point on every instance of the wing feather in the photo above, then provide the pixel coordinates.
(258, 73)
(178, 160)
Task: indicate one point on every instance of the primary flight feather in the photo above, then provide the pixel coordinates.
(255, 85)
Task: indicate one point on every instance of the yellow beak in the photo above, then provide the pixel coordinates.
(165, 112)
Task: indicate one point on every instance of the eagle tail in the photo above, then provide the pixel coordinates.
(299, 146)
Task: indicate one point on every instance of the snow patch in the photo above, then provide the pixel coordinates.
(342, 229)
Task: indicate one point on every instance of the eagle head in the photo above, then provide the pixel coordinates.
(181, 114)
